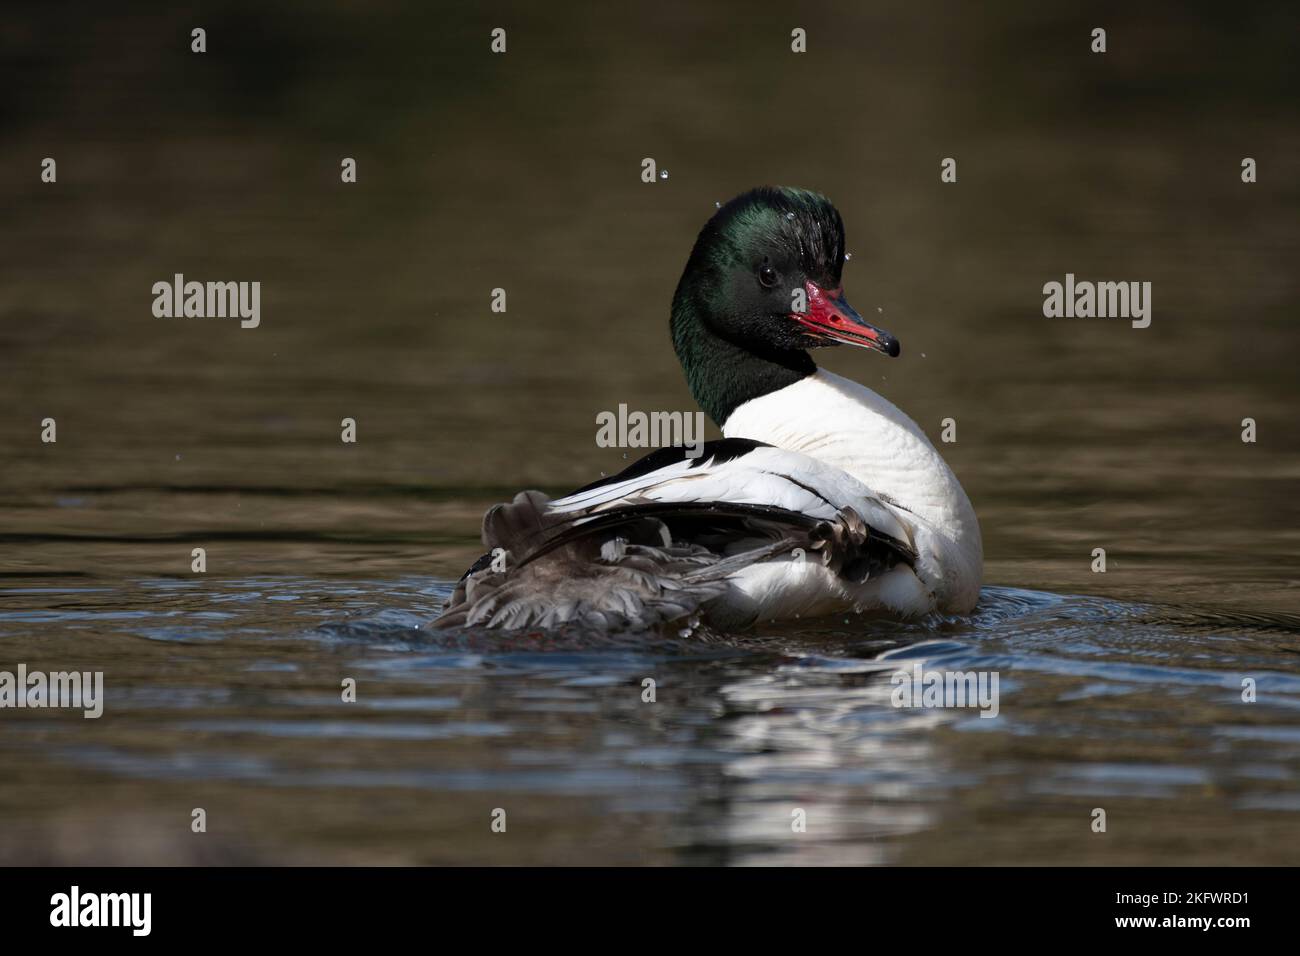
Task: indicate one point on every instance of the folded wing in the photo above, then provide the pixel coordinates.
(657, 543)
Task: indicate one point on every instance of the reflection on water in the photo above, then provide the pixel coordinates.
(225, 695)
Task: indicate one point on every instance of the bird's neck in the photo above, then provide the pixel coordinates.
(723, 375)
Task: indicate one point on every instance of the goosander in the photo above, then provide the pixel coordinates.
(822, 497)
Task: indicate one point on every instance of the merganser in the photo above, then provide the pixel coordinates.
(822, 497)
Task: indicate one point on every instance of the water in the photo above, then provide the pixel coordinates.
(325, 561)
(225, 695)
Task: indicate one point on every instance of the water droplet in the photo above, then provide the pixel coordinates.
(922, 355)
(717, 205)
(879, 309)
(663, 174)
(178, 457)
(848, 256)
(684, 632)
(789, 215)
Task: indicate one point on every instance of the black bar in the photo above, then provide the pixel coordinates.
(334, 905)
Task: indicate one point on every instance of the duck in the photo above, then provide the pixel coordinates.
(822, 497)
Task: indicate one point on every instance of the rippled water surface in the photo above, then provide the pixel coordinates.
(326, 561)
(224, 695)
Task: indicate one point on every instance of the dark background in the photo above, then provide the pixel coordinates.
(521, 171)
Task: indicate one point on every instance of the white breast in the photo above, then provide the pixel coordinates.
(851, 428)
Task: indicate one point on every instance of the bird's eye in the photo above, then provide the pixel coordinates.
(767, 276)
